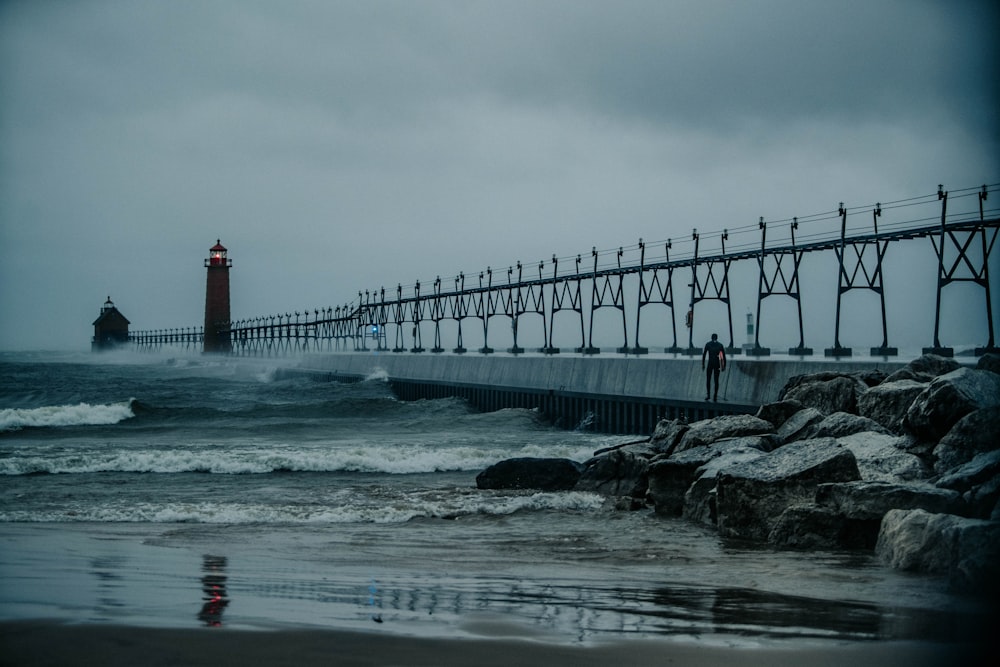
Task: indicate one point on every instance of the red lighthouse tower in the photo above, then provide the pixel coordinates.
(217, 318)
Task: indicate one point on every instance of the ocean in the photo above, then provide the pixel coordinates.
(190, 491)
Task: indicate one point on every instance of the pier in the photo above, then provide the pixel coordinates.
(622, 395)
(610, 340)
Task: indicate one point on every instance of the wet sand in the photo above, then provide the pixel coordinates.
(91, 594)
(51, 643)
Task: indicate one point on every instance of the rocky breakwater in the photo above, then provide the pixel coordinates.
(907, 465)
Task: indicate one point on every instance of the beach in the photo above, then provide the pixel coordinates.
(43, 644)
(201, 512)
(127, 594)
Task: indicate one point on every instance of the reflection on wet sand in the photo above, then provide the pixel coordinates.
(751, 612)
(213, 587)
(108, 569)
(586, 612)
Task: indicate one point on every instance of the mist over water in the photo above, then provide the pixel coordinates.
(130, 485)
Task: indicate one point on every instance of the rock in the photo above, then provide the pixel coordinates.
(699, 499)
(829, 392)
(765, 443)
(848, 515)
(815, 527)
(751, 496)
(669, 478)
(989, 362)
(842, 423)
(924, 369)
(531, 473)
(667, 434)
(903, 540)
(967, 550)
(869, 378)
(865, 500)
(914, 445)
(778, 413)
(974, 433)
(888, 402)
(949, 398)
(881, 457)
(617, 473)
(983, 500)
(800, 426)
(707, 431)
(982, 468)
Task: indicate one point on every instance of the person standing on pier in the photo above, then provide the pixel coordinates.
(716, 354)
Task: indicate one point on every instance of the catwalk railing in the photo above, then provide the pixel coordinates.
(188, 338)
(963, 241)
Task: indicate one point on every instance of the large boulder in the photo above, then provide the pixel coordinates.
(669, 478)
(707, 431)
(973, 434)
(924, 369)
(869, 378)
(848, 515)
(667, 434)
(882, 457)
(827, 392)
(809, 526)
(888, 402)
(981, 468)
(984, 500)
(542, 474)
(967, 550)
(989, 362)
(778, 413)
(864, 500)
(699, 499)
(949, 398)
(621, 472)
(979, 483)
(751, 496)
(765, 443)
(800, 426)
(841, 424)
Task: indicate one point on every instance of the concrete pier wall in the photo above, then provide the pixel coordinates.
(620, 394)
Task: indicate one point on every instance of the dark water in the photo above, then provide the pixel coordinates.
(191, 491)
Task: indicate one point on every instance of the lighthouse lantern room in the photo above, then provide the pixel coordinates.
(217, 256)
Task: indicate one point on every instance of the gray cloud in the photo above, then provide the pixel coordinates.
(344, 146)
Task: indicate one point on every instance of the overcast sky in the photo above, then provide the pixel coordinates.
(338, 146)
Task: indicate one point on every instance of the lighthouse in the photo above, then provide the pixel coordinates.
(217, 319)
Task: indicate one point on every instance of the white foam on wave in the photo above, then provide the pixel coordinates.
(390, 459)
(377, 375)
(81, 414)
(267, 375)
(399, 510)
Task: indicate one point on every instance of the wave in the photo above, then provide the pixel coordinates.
(255, 413)
(455, 505)
(81, 414)
(377, 375)
(360, 458)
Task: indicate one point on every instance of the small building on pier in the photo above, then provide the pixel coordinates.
(110, 329)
